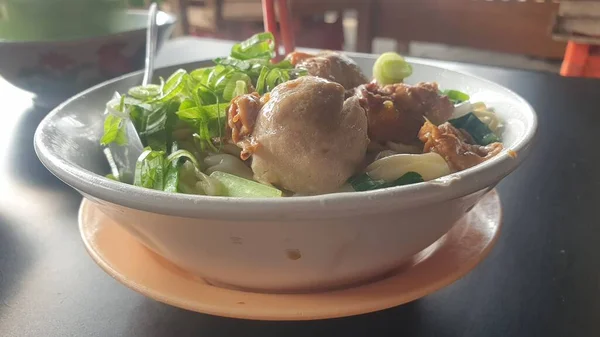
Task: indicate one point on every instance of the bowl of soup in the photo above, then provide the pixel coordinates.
(307, 174)
(56, 63)
(35, 20)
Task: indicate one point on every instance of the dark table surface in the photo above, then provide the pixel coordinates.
(541, 279)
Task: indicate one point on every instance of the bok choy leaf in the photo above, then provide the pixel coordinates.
(364, 182)
(476, 128)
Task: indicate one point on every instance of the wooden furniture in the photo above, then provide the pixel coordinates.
(363, 8)
(511, 26)
(236, 19)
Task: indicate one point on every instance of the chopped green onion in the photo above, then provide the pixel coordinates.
(186, 104)
(114, 131)
(241, 88)
(455, 96)
(261, 85)
(201, 75)
(182, 154)
(259, 46)
(231, 85)
(149, 170)
(391, 68)
(190, 114)
(172, 86)
(145, 92)
(275, 77)
(241, 65)
(111, 177)
(172, 174)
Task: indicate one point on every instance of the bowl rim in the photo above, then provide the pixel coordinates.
(480, 177)
(171, 19)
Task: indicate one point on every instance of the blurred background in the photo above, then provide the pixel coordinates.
(56, 48)
(510, 33)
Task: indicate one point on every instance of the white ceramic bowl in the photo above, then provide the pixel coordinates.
(286, 244)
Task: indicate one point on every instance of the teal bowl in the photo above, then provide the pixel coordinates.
(34, 20)
(55, 70)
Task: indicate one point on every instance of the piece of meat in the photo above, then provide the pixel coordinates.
(241, 117)
(395, 112)
(310, 140)
(331, 66)
(455, 146)
(297, 57)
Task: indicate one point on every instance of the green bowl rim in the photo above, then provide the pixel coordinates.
(170, 20)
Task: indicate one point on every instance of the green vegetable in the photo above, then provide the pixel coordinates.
(363, 182)
(241, 88)
(173, 86)
(114, 170)
(157, 127)
(111, 177)
(145, 92)
(201, 75)
(114, 131)
(261, 83)
(187, 179)
(391, 68)
(407, 179)
(476, 128)
(189, 110)
(240, 187)
(275, 77)
(209, 120)
(150, 170)
(258, 46)
(229, 90)
(193, 181)
(172, 174)
(177, 154)
(456, 96)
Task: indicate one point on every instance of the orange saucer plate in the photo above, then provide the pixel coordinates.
(444, 262)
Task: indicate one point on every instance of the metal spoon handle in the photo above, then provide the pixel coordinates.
(124, 157)
(151, 33)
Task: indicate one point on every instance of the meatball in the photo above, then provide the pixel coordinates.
(332, 66)
(310, 140)
(395, 112)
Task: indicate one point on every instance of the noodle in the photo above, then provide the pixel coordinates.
(227, 163)
(480, 110)
(489, 118)
(429, 165)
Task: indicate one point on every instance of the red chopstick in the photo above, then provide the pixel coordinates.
(270, 22)
(268, 7)
(287, 33)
